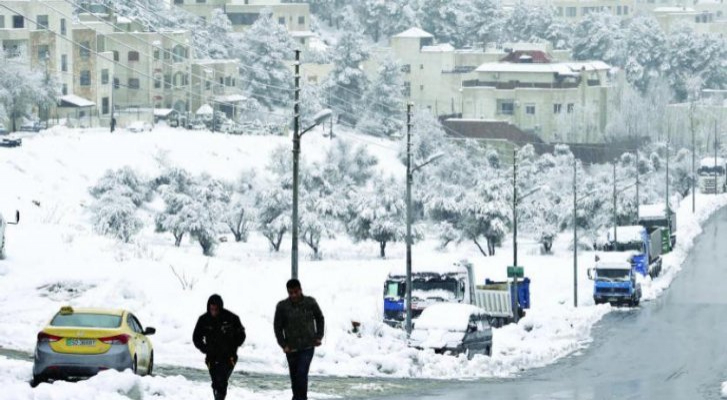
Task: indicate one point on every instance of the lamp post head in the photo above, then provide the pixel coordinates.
(322, 116)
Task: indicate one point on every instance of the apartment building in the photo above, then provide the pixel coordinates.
(216, 83)
(28, 36)
(575, 10)
(243, 13)
(92, 79)
(546, 98)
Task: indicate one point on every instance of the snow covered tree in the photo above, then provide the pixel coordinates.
(22, 89)
(274, 214)
(695, 55)
(347, 83)
(349, 165)
(384, 101)
(646, 51)
(599, 36)
(239, 213)
(532, 23)
(379, 214)
(263, 50)
(125, 181)
(385, 17)
(219, 28)
(207, 211)
(114, 214)
(484, 21)
(446, 20)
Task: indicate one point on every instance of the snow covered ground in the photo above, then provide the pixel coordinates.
(55, 259)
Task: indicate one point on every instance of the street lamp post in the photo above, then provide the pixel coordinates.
(408, 239)
(320, 117)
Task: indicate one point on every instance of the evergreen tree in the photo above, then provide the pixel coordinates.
(264, 48)
(646, 52)
(219, 28)
(384, 102)
(347, 82)
(446, 20)
(599, 36)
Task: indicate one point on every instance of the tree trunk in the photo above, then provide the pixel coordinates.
(491, 247)
(480, 247)
(547, 246)
(178, 238)
(382, 246)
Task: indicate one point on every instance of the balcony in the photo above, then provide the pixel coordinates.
(520, 85)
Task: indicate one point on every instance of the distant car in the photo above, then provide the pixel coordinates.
(453, 328)
(10, 141)
(3, 130)
(82, 342)
(139, 126)
(197, 126)
(31, 126)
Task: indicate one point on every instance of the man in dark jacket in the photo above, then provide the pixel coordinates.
(299, 327)
(218, 334)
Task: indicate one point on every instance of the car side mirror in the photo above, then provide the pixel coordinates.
(589, 274)
(150, 331)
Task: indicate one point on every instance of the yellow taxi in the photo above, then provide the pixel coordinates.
(80, 342)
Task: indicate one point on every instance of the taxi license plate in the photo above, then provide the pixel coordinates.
(80, 342)
(613, 299)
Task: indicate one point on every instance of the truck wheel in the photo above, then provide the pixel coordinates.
(488, 350)
(37, 380)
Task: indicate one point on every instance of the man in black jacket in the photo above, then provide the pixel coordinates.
(218, 334)
(299, 327)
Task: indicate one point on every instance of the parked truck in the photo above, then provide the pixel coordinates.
(643, 249)
(453, 283)
(712, 175)
(615, 281)
(655, 217)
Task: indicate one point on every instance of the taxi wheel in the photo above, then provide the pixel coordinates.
(134, 365)
(150, 368)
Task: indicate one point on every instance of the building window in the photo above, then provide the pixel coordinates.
(42, 21)
(116, 83)
(571, 12)
(282, 20)
(179, 1)
(156, 54)
(86, 78)
(557, 108)
(301, 20)
(626, 8)
(178, 53)
(64, 63)
(2, 22)
(530, 109)
(422, 66)
(133, 83)
(570, 108)
(85, 50)
(116, 56)
(104, 105)
(619, 10)
(157, 82)
(200, 1)
(505, 107)
(44, 52)
(242, 18)
(63, 26)
(208, 85)
(104, 76)
(168, 81)
(64, 89)
(407, 89)
(560, 11)
(132, 56)
(406, 68)
(18, 22)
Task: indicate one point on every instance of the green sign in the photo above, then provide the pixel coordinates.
(665, 241)
(515, 272)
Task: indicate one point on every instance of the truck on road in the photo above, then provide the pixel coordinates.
(454, 284)
(655, 217)
(615, 282)
(643, 249)
(712, 175)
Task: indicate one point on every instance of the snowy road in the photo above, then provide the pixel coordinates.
(671, 348)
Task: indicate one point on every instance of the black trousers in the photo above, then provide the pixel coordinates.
(220, 371)
(298, 365)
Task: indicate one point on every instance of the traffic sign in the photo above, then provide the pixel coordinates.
(515, 272)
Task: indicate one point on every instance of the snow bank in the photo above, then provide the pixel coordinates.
(448, 316)
(724, 389)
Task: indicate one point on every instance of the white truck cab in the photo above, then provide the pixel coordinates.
(3, 224)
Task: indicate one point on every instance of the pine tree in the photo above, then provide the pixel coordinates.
(384, 102)
(265, 47)
(646, 52)
(599, 36)
(219, 28)
(347, 83)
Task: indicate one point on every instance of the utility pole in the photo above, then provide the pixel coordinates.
(667, 179)
(514, 297)
(574, 221)
(408, 239)
(692, 175)
(715, 156)
(614, 200)
(296, 155)
(637, 183)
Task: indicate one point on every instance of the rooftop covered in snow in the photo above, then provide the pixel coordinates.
(413, 33)
(447, 316)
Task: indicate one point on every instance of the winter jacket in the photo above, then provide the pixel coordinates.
(298, 325)
(219, 337)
